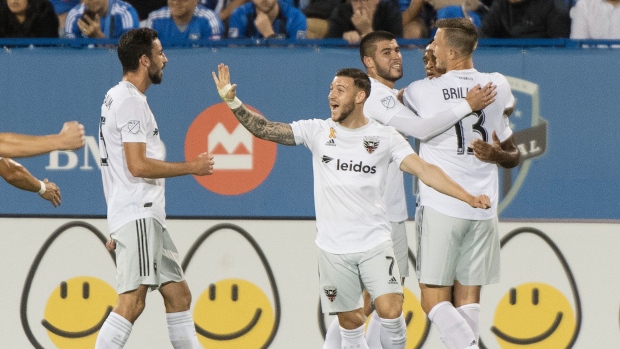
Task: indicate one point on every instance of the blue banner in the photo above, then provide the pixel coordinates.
(564, 123)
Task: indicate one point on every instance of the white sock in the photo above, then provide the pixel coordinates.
(353, 339)
(453, 329)
(333, 340)
(471, 314)
(373, 331)
(114, 332)
(182, 331)
(394, 333)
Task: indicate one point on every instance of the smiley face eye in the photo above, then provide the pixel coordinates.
(235, 292)
(535, 296)
(85, 290)
(63, 290)
(212, 292)
(513, 296)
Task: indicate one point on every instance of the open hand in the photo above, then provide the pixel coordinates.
(485, 151)
(222, 82)
(481, 97)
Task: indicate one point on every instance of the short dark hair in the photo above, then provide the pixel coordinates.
(368, 44)
(360, 79)
(132, 45)
(461, 34)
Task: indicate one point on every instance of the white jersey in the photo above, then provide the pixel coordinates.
(450, 150)
(382, 105)
(350, 168)
(126, 117)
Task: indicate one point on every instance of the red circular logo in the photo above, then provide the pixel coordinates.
(242, 161)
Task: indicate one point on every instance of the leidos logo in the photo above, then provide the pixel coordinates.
(350, 166)
(242, 162)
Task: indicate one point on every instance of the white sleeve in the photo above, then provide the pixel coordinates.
(407, 122)
(303, 131)
(579, 23)
(400, 148)
(132, 119)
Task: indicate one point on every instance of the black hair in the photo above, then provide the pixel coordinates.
(132, 45)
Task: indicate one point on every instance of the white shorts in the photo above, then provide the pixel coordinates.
(401, 247)
(452, 249)
(145, 255)
(342, 277)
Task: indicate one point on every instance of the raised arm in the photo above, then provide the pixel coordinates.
(437, 179)
(425, 128)
(18, 176)
(254, 122)
(15, 145)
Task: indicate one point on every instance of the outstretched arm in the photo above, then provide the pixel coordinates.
(18, 176)
(254, 122)
(14, 145)
(437, 179)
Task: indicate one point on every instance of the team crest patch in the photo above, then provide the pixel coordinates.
(371, 143)
(388, 102)
(330, 292)
(133, 126)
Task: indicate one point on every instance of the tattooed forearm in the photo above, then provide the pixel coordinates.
(262, 128)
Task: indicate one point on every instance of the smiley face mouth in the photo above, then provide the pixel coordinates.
(532, 340)
(234, 335)
(55, 330)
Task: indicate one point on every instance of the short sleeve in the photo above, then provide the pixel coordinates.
(399, 147)
(382, 105)
(132, 119)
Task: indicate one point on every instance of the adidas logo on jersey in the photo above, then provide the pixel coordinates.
(331, 143)
(393, 281)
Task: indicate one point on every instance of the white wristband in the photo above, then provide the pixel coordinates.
(42, 190)
(232, 103)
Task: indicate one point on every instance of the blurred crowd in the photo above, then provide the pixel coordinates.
(181, 21)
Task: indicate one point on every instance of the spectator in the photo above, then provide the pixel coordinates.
(62, 8)
(317, 13)
(28, 19)
(101, 19)
(414, 26)
(267, 19)
(355, 18)
(223, 8)
(184, 20)
(595, 19)
(526, 19)
(145, 7)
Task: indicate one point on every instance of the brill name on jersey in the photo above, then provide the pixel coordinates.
(454, 93)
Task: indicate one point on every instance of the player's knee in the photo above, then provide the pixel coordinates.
(389, 306)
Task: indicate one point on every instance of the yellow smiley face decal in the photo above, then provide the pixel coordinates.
(415, 318)
(534, 315)
(234, 313)
(76, 310)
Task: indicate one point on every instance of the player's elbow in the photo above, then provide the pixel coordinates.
(136, 169)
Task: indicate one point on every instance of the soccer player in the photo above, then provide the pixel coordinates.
(350, 156)
(430, 65)
(133, 171)
(382, 58)
(15, 145)
(458, 247)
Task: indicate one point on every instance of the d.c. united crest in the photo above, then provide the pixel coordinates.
(371, 143)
